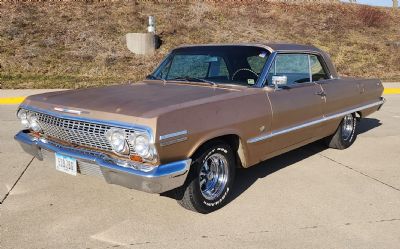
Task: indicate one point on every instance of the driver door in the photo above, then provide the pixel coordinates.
(295, 105)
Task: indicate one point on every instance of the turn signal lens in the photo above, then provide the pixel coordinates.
(136, 158)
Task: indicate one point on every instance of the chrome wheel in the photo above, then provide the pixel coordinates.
(347, 127)
(213, 176)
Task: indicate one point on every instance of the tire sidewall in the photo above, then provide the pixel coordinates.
(204, 204)
(347, 143)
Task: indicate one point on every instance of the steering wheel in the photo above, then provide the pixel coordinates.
(242, 70)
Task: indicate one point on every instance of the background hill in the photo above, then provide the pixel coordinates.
(77, 44)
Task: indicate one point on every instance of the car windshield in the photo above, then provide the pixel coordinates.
(240, 65)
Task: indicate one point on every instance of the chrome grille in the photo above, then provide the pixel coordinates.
(90, 169)
(76, 132)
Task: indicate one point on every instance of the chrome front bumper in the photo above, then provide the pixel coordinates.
(158, 180)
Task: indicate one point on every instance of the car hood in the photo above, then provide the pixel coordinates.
(142, 99)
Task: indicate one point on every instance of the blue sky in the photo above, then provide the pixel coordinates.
(376, 2)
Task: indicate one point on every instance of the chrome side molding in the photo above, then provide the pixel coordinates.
(314, 122)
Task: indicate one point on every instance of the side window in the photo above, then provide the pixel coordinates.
(294, 66)
(317, 71)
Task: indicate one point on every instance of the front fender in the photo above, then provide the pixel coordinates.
(242, 148)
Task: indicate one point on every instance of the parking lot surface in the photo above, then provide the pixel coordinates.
(312, 197)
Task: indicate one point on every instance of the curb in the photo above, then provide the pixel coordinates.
(11, 101)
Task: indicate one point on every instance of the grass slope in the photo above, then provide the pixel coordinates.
(78, 44)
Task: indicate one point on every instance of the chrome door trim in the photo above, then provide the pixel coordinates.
(314, 122)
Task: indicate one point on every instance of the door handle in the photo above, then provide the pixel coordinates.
(361, 87)
(321, 93)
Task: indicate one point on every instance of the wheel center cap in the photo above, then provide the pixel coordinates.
(210, 176)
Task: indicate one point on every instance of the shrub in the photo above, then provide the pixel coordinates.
(372, 17)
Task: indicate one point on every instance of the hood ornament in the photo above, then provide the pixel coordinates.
(66, 110)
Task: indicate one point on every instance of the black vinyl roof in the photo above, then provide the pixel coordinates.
(270, 46)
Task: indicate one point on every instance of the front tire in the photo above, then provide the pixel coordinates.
(210, 180)
(345, 135)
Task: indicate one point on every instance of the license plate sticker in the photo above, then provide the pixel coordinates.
(66, 164)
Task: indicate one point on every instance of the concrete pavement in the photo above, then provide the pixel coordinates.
(312, 197)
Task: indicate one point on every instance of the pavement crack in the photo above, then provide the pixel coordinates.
(310, 227)
(389, 220)
(359, 172)
(15, 183)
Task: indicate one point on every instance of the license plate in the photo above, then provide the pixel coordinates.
(66, 164)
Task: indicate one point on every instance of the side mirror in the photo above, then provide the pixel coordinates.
(279, 81)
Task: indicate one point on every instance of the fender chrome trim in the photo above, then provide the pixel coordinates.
(175, 134)
(314, 122)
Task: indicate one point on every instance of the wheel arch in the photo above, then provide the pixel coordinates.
(233, 139)
(359, 115)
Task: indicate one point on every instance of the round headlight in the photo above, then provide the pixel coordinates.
(23, 116)
(34, 123)
(142, 146)
(116, 137)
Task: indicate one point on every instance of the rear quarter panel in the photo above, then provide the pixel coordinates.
(341, 95)
(344, 94)
(372, 90)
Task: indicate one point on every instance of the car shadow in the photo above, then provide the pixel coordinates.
(367, 124)
(245, 178)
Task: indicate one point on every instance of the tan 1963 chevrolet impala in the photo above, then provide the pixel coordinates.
(205, 111)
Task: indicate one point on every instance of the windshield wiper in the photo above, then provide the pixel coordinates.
(153, 77)
(189, 78)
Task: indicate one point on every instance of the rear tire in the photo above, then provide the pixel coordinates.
(345, 134)
(210, 179)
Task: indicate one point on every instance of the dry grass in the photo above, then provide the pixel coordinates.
(79, 44)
